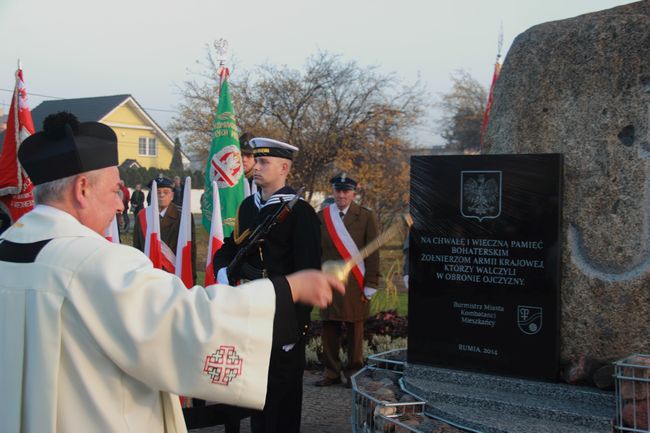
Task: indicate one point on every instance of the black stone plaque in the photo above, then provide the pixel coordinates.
(484, 284)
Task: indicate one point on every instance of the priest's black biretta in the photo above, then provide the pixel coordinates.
(66, 147)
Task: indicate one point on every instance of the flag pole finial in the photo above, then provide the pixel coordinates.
(500, 41)
(221, 47)
(20, 64)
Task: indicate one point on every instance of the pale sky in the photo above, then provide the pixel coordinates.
(147, 48)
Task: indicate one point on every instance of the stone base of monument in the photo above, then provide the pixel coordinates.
(496, 404)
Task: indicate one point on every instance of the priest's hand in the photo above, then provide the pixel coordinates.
(314, 287)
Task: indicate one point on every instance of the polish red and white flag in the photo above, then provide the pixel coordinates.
(216, 235)
(152, 247)
(184, 245)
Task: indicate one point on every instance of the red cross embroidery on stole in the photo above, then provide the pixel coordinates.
(224, 365)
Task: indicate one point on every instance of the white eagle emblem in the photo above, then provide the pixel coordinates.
(480, 194)
(226, 167)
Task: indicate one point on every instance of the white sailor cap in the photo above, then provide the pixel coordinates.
(269, 147)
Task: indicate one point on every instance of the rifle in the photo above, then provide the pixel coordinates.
(255, 238)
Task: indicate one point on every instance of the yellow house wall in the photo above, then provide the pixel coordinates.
(128, 138)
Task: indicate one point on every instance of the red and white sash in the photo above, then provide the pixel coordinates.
(343, 241)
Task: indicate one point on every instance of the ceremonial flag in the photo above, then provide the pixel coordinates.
(112, 234)
(151, 214)
(490, 101)
(16, 196)
(216, 238)
(183, 263)
(224, 165)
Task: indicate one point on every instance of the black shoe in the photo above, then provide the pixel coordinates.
(348, 384)
(327, 381)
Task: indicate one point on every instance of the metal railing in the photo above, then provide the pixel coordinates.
(389, 360)
(366, 407)
(632, 376)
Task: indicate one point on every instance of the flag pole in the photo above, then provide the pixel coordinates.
(495, 76)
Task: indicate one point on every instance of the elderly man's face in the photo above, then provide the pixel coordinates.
(165, 196)
(103, 200)
(343, 197)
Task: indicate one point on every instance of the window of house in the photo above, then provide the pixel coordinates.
(142, 145)
(152, 146)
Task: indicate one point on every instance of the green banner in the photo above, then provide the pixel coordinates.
(224, 165)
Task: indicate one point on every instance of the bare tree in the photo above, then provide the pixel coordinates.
(342, 117)
(198, 107)
(463, 108)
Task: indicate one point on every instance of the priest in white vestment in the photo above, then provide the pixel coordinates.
(92, 337)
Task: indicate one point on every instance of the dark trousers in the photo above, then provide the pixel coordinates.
(283, 406)
(332, 333)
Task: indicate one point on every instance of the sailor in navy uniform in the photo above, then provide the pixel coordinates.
(291, 245)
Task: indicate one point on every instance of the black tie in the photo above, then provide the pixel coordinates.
(341, 214)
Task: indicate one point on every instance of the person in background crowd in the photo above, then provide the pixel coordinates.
(178, 192)
(137, 199)
(126, 198)
(346, 228)
(94, 339)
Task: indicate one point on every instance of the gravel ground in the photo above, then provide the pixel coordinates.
(324, 410)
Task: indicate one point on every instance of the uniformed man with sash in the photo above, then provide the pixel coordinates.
(347, 227)
(94, 339)
(291, 245)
